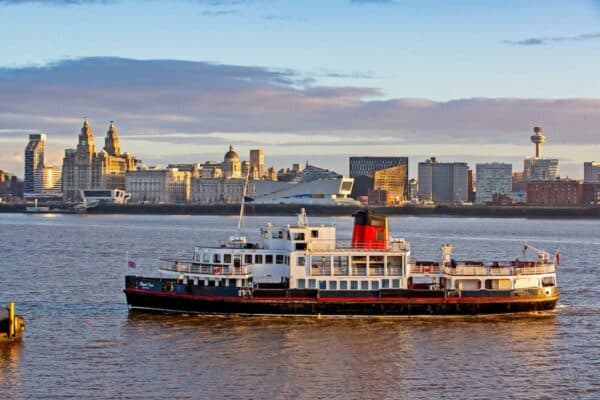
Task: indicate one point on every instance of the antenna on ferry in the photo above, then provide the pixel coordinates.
(302, 220)
(239, 227)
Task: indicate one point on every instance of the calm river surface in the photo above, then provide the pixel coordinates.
(65, 273)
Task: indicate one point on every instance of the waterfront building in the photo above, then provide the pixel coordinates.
(313, 185)
(443, 182)
(591, 194)
(10, 186)
(47, 180)
(363, 169)
(287, 174)
(158, 185)
(392, 180)
(413, 189)
(232, 166)
(556, 193)
(217, 191)
(34, 158)
(195, 169)
(591, 172)
(84, 168)
(492, 179)
(540, 169)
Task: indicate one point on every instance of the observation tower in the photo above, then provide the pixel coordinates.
(538, 139)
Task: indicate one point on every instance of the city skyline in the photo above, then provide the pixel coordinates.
(184, 80)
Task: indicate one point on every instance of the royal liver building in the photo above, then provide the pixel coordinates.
(83, 168)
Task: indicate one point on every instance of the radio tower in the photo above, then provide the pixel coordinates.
(538, 139)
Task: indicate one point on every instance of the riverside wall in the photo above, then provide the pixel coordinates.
(286, 209)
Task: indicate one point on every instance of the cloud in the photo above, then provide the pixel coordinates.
(372, 1)
(56, 2)
(170, 106)
(537, 41)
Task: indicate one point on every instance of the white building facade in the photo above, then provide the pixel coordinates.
(158, 185)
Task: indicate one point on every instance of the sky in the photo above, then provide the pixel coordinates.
(307, 81)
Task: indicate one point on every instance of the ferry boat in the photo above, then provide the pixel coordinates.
(304, 270)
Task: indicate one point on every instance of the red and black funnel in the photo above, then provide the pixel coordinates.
(370, 230)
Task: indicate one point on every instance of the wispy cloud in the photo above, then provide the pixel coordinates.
(372, 1)
(218, 13)
(537, 41)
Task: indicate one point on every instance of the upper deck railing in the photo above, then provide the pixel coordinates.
(499, 270)
(204, 269)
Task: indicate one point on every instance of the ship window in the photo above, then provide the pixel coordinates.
(354, 285)
(265, 235)
(314, 234)
(258, 259)
(277, 234)
(396, 283)
(375, 285)
(216, 258)
(312, 283)
(279, 259)
(322, 285)
(364, 285)
(298, 235)
(548, 281)
(227, 258)
(301, 261)
(343, 285)
(247, 258)
(385, 283)
(206, 257)
(269, 259)
(332, 285)
(301, 284)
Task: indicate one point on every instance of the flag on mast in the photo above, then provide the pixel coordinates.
(557, 257)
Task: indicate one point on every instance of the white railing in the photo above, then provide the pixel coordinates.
(347, 245)
(471, 270)
(425, 269)
(204, 269)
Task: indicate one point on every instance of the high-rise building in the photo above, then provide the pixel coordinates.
(257, 163)
(34, 158)
(491, 179)
(591, 172)
(443, 181)
(363, 169)
(83, 168)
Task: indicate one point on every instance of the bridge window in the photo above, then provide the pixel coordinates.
(548, 281)
(301, 261)
(258, 259)
(269, 259)
(247, 258)
(277, 234)
(279, 259)
(298, 236)
(216, 258)
(226, 258)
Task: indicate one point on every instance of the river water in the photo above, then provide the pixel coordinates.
(65, 273)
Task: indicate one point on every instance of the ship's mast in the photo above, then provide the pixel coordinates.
(239, 227)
